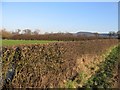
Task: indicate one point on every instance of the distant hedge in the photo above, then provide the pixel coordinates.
(57, 36)
(50, 65)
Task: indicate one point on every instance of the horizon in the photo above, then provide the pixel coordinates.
(72, 17)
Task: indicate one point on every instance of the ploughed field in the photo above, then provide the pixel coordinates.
(73, 64)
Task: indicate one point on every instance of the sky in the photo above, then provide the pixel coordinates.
(119, 16)
(59, 0)
(61, 16)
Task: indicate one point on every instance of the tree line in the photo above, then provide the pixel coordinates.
(28, 34)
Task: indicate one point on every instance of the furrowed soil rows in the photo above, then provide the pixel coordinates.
(55, 64)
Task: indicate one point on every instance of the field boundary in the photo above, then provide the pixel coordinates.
(102, 78)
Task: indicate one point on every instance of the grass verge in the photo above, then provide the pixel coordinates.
(103, 77)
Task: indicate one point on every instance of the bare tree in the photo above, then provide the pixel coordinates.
(5, 34)
(96, 35)
(36, 32)
(111, 34)
(118, 33)
(17, 31)
(27, 31)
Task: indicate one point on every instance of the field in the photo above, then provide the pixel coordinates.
(21, 42)
(70, 64)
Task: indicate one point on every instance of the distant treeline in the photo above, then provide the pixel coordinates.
(35, 35)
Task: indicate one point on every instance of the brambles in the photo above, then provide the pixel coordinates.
(103, 77)
(52, 65)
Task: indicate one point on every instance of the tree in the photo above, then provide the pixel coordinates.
(5, 34)
(111, 34)
(36, 32)
(96, 35)
(27, 31)
(16, 32)
(118, 33)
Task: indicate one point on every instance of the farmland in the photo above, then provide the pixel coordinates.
(70, 64)
(59, 45)
(21, 42)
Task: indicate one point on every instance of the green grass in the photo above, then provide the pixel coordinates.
(103, 77)
(20, 42)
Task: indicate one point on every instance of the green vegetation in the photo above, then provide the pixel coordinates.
(19, 42)
(78, 80)
(103, 77)
(70, 84)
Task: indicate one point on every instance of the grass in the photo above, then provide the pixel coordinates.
(19, 42)
(102, 78)
(70, 84)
